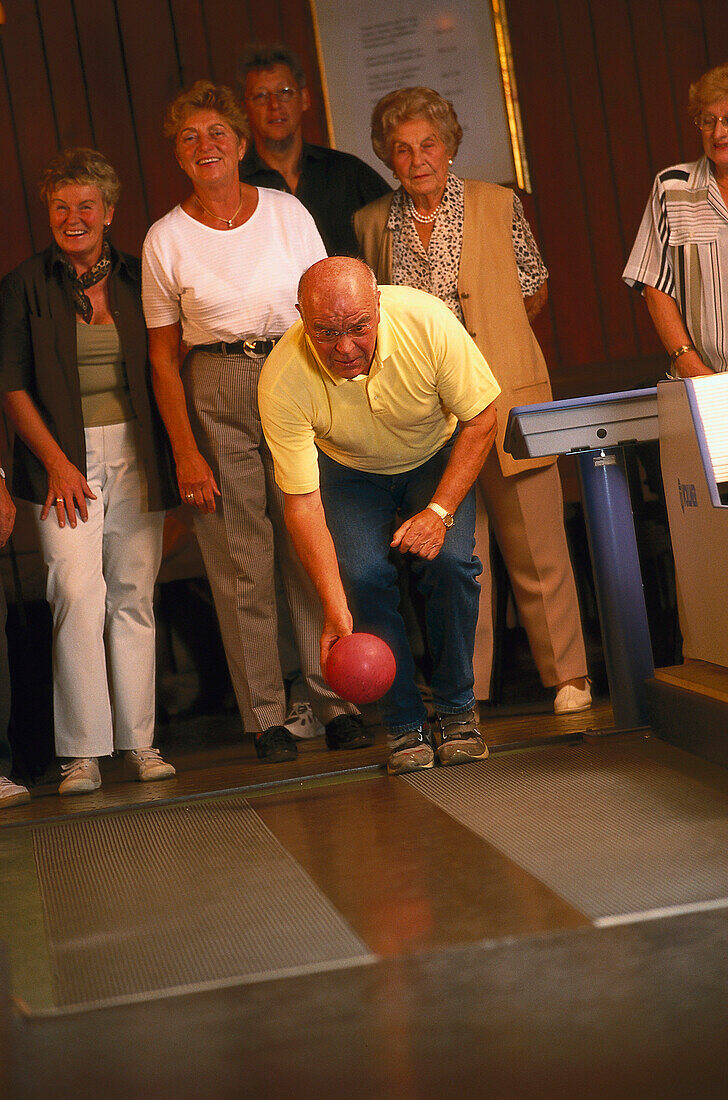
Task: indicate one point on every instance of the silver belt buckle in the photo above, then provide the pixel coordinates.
(250, 347)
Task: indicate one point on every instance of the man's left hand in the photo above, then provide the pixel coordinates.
(422, 535)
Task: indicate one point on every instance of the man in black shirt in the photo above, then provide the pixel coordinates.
(331, 185)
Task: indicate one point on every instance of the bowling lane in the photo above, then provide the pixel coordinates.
(404, 874)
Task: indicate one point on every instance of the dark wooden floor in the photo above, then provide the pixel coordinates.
(213, 754)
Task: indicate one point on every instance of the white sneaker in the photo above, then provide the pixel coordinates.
(302, 723)
(570, 699)
(80, 776)
(12, 794)
(146, 765)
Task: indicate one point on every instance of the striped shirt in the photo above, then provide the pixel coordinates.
(682, 250)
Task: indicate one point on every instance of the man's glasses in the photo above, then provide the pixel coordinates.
(283, 95)
(708, 123)
(333, 335)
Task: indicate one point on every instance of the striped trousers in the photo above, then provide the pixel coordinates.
(244, 538)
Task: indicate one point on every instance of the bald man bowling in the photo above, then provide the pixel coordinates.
(378, 410)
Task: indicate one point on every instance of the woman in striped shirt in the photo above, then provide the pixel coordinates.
(679, 260)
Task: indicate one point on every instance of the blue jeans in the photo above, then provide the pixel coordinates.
(362, 512)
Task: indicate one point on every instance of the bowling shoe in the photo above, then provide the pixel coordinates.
(347, 731)
(80, 776)
(302, 723)
(410, 751)
(12, 794)
(570, 699)
(458, 738)
(147, 765)
(275, 744)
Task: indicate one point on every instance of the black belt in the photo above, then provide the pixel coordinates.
(254, 349)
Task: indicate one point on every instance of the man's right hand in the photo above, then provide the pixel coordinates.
(334, 628)
(7, 513)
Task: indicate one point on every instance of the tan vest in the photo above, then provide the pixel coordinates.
(490, 296)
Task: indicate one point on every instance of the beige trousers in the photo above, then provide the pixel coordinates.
(525, 514)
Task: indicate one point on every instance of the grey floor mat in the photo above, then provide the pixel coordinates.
(613, 828)
(162, 898)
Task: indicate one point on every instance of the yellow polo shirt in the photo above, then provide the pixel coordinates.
(426, 375)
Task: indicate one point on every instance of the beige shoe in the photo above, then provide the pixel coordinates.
(410, 751)
(80, 776)
(458, 739)
(570, 699)
(147, 765)
(12, 794)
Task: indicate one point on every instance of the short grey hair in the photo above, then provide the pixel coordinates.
(80, 165)
(256, 57)
(407, 103)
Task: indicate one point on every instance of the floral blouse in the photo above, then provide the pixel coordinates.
(435, 269)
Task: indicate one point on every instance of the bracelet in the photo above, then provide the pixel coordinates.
(2, 473)
(681, 351)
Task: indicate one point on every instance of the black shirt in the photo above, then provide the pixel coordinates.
(332, 186)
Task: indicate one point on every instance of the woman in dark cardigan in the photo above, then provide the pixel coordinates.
(89, 447)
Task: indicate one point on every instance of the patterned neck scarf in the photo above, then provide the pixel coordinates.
(94, 275)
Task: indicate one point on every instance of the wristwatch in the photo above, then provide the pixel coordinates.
(446, 517)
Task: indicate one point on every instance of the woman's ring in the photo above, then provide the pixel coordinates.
(60, 500)
(190, 496)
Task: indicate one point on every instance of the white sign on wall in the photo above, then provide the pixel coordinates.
(374, 48)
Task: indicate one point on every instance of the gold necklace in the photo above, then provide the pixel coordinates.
(228, 221)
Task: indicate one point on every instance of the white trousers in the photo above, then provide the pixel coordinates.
(100, 588)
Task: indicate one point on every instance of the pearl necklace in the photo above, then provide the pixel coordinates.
(423, 219)
(228, 221)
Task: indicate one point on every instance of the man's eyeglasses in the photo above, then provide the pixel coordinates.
(333, 335)
(284, 95)
(708, 123)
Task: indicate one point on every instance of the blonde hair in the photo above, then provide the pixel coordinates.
(405, 104)
(83, 166)
(204, 95)
(708, 88)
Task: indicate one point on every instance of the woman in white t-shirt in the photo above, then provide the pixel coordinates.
(219, 280)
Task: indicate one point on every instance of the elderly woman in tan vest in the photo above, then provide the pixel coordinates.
(468, 243)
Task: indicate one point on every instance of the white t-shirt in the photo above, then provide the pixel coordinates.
(232, 284)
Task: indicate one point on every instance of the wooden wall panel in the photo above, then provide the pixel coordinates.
(622, 132)
(193, 50)
(603, 87)
(152, 67)
(65, 74)
(265, 23)
(14, 195)
(559, 200)
(590, 105)
(228, 26)
(297, 26)
(112, 121)
(32, 110)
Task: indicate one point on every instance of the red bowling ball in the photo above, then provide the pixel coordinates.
(360, 668)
